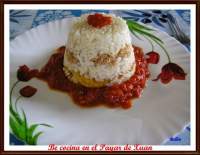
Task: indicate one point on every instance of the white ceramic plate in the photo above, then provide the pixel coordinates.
(162, 111)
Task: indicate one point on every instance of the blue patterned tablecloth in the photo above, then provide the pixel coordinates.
(23, 20)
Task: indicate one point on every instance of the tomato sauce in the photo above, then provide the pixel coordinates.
(98, 20)
(118, 95)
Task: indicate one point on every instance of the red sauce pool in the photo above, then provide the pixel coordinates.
(114, 96)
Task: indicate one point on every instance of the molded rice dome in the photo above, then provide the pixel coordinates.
(99, 51)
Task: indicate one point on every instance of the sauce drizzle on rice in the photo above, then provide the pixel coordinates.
(98, 20)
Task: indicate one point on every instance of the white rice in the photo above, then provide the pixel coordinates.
(87, 42)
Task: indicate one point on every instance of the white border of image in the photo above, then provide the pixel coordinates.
(190, 7)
